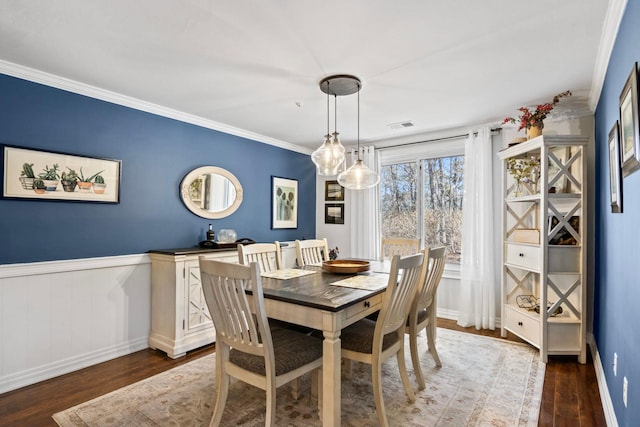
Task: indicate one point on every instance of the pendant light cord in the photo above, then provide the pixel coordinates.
(358, 121)
(328, 110)
(335, 112)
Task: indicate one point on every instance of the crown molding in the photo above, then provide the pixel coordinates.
(37, 76)
(610, 28)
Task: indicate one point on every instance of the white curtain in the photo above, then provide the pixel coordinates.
(364, 217)
(477, 280)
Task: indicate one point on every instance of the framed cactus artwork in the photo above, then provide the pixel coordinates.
(47, 175)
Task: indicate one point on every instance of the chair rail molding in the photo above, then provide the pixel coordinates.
(68, 265)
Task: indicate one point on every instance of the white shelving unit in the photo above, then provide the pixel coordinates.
(544, 247)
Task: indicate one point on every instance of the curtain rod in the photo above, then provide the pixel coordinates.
(444, 138)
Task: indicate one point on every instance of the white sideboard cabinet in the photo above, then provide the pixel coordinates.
(544, 244)
(180, 319)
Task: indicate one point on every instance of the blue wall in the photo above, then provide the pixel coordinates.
(617, 288)
(156, 153)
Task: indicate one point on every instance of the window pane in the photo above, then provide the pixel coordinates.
(398, 200)
(443, 204)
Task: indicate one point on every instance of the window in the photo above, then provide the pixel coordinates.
(398, 206)
(422, 198)
(442, 204)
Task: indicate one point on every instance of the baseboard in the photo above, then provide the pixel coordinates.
(605, 397)
(453, 315)
(447, 314)
(45, 372)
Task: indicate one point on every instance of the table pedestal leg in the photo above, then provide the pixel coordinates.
(331, 379)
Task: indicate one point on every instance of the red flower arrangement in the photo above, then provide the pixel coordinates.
(529, 119)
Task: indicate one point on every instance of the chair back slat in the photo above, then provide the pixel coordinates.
(311, 252)
(401, 290)
(267, 255)
(432, 273)
(398, 246)
(224, 286)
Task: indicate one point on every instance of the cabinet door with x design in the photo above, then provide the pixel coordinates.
(544, 244)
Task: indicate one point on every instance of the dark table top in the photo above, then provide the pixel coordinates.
(314, 290)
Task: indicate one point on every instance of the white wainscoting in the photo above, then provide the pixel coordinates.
(60, 316)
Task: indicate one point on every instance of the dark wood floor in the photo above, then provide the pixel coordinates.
(570, 396)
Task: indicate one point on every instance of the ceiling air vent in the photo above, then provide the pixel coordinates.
(401, 125)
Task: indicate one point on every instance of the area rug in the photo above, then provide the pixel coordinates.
(482, 382)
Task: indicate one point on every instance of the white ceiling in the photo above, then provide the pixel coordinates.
(254, 66)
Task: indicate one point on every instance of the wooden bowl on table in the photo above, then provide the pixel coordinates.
(345, 266)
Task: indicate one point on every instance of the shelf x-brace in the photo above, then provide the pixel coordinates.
(563, 297)
(563, 221)
(520, 218)
(564, 169)
(519, 283)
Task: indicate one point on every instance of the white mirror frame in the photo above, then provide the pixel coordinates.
(195, 208)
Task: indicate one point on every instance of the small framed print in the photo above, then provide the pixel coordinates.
(334, 213)
(333, 191)
(629, 128)
(614, 169)
(284, 203)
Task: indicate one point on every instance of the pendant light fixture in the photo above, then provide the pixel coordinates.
(329, 157)
(358, 176)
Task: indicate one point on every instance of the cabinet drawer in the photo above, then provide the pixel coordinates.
(366, 305)
(524, 256)
(226, 256)
(522, 325)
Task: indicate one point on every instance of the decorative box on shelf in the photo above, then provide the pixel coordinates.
(526, 235)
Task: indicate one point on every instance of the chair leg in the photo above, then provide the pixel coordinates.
(376, 376)
(347, 368)
(402, 366)
(270, 418)
(222, 385)
(415, 359)
(221, 400)
(431, 341)
(314, 384)
(295, 388)
(316, 389)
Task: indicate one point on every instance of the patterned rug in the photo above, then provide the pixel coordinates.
(483, 382)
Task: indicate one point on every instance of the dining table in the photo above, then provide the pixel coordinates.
(326, 301)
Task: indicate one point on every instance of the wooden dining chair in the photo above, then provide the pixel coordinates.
(267, 255)
(247, 348)
(269, 258)
(423, 310)
(311, 252)
(398, 246)
(373, 342)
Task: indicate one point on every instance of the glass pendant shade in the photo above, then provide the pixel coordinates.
(338, 147)
(358, 177)
(329, 157)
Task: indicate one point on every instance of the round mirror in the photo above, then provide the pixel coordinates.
(211, 192)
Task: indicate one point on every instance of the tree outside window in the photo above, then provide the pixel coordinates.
(439, 183)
